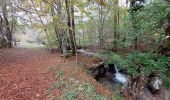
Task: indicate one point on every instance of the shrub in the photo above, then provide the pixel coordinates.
(118, 96)
(167, 83)
(137, 63)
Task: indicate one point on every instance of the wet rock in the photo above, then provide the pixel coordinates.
(112, 68)
(155, 84)
(98, 71)
(110, 76)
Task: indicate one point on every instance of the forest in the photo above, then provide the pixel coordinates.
(84, 50)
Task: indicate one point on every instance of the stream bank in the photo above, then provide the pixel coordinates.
(106, 74)
(107, 77)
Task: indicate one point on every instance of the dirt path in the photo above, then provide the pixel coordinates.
(27, 74)
(24, 73)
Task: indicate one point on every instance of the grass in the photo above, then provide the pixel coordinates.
(30, 45)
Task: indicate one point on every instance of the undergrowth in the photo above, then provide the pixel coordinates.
(73, 90)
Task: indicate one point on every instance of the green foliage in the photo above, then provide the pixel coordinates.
(167, 78)
(164, 61)
(60, 75)
(56, 85)
(152, 15)
(167, 83)
(99, 97)
(167, 47)
(90, 91)
(137, 63)
(71, 95)
(80, 87)
(118, 96)
(141, 64)
(53, 42)
(145, 24)
(90, 88)
(106, 56)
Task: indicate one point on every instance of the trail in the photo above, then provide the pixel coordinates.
(27, 74)
(24, 73)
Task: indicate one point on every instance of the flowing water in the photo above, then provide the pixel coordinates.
(114, 80)
(119, 77)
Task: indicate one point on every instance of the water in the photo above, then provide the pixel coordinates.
(85, 52)
(114, 80)
(117, 71)
(119, 77)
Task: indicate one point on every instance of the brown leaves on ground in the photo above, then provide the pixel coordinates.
(27, 74)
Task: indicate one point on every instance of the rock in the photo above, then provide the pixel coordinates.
(110, 76)
(112, 68)
(98, 72)
(155, 84)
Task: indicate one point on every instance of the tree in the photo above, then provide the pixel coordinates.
(62, 33)
(71, 25)
(41, 21)
(6, 31)
(3, 40)
(116, 22)
(101, 26)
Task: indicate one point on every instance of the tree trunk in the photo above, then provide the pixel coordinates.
(73, 27)
(135, 87)
(67, 2)
(1, 33)
(116, 23)
(62, 34)
(56, 29)
(101, 19)
(6, 23)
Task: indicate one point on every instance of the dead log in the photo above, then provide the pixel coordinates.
(90, 54)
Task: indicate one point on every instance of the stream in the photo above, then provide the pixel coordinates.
(109, 76)
(115, 79)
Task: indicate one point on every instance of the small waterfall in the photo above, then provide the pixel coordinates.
(114, 72)
(116, 68)
(119, 77)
